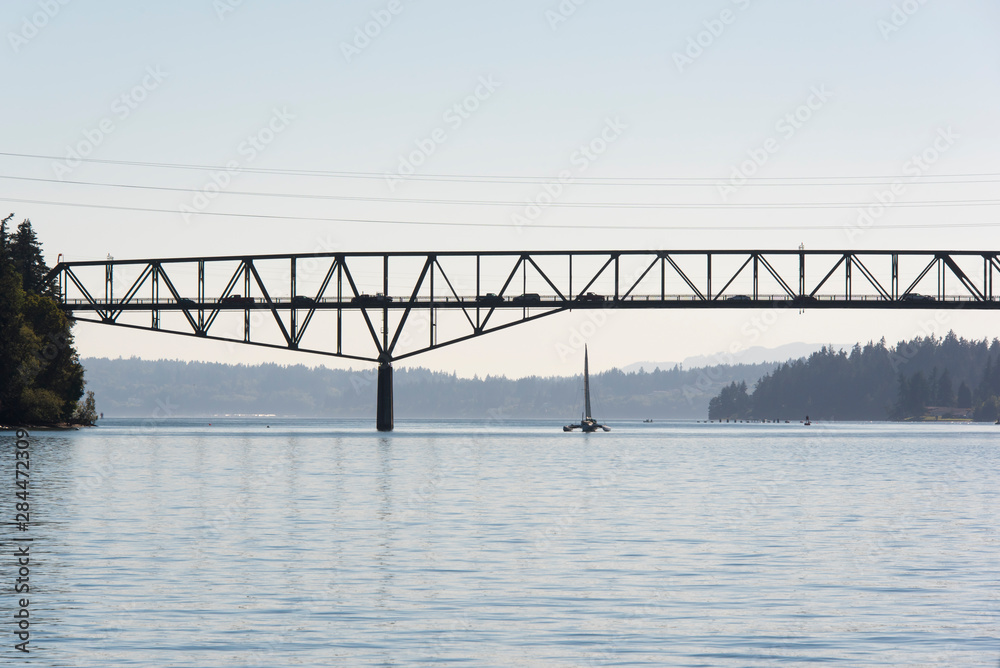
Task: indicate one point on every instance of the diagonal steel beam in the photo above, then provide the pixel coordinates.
(312, 310)
(483, 332)
(134, 290)
(364, 311)
(259, 344)
(545, 276)
(856, 261)
(596, 276)
(170, 286)
(919, 278)
(730, 281)
(513, 273)
(269, 302)
(774, 273)
(105, 314)
(655, 261)
(828, 275)
(225, 293)
(966, 281)
(680, 272)
(413, 298)
(454, 293)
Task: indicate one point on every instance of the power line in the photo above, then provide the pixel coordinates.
(514, 179)
(496, 226)
(582, 205)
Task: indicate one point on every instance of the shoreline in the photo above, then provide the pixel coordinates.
(62, 426)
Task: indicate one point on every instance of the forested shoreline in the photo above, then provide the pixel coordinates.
(41, 378)
(141, 388)
(949, 377)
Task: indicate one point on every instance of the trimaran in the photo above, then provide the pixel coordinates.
(587, 423)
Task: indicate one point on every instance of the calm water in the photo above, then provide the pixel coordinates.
(321, 543)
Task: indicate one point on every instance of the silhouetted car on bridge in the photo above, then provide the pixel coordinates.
(237, 300)
(527, 298)
(490, 298)
(371, 300)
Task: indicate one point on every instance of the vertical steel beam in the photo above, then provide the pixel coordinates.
(340, 301)
(802, 274)
(156, 296)
(708, 281)
(246, 294)
(109, 279)
(432, 262)
(895, 276)
(663, 279)
(617, 258)
(941, 279)
(756, 285)
(847, 276)
(293, 313)
(201, 297)
(385, 307)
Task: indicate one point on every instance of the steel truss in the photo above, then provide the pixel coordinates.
(583, 280)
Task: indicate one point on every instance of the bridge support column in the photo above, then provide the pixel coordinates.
(383, 417)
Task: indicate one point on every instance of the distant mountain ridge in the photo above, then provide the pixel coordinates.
(753, 355)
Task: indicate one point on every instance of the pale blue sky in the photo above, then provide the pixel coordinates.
(891, 95)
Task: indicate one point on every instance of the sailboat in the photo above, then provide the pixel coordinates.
(587, 423)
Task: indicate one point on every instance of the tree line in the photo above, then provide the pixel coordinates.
(41, 378)
(875, 382)
(139, 388)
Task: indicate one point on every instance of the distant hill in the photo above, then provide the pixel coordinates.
(143, 388)
(917, 379)
(754, 355)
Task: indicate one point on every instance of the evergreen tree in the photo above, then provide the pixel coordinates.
(875, 381)
(944, 394)
(964, 398)
(5, 243)
(41, 379)
(26, 255)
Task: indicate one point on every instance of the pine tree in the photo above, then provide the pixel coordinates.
(26, 255)
(5, 243)
(964, 398)
(41, 378)
(944, 394)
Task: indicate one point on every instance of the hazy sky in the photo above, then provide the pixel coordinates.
(716, 90)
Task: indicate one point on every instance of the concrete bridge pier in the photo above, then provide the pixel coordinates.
(383, 417)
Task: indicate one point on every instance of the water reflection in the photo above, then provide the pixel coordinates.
(322, 544)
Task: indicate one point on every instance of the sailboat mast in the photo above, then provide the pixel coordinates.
(586, 384)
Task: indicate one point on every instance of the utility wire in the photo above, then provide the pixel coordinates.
(605, 181)
(496, 226)
(583, 205)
